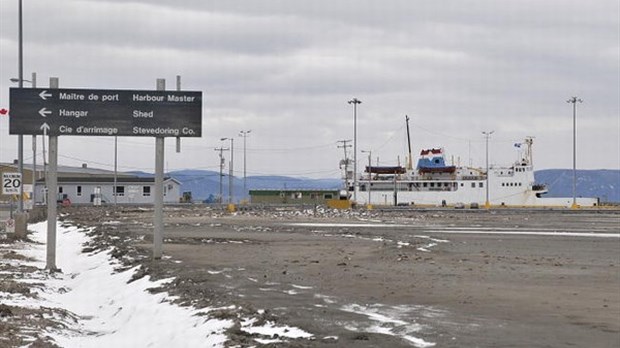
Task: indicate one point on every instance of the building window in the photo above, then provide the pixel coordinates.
(328, 196)
(59, 189)
(473, 185)
(480, 184)
(146, 191)
(79, 190)
(120, 191)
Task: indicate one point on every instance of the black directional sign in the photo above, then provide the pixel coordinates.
(105, 112)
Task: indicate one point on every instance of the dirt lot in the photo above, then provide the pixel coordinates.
(387, 279)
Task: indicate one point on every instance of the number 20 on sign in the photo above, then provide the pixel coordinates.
(11, 182)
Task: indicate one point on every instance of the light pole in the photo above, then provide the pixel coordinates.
(221, 150)
(355, 102)
(230, 169)
(369, 152)
(487, 135)
(244, 134)
(20, 137)
(574, 101)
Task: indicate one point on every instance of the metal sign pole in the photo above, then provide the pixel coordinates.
(158, 223)
(51, 181)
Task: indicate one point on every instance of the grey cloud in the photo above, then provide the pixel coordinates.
(286, 68)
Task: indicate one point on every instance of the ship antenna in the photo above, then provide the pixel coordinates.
(410, 162)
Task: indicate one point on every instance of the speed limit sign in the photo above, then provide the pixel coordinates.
(11, 182)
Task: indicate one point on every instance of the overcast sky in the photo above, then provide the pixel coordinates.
(285, 70)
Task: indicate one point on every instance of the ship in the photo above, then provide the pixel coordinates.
(434, 182)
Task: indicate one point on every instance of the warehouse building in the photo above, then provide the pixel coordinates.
(292, 196)
(80, 185)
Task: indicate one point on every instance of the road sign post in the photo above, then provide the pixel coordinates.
(158, 218)
(51, 181)
(104, 112)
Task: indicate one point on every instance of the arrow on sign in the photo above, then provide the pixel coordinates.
(44, 112)
(44, 95)
(45, 127)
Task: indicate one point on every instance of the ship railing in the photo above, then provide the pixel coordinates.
(472, 177)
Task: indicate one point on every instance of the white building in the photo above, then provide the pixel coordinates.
(80, 184)
(129, 190)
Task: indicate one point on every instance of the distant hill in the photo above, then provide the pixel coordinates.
(601, 183)
(205, 183)
(604, 184)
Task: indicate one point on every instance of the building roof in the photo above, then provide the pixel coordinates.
(67, 171)
(269, 192)
(108, 180)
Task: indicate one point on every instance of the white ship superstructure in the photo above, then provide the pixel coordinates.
(434, 183)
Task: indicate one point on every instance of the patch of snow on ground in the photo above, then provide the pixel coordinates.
(388, 321)
(301, 287)
(270, 330)
(110, 311)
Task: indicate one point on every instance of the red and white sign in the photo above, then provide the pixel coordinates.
(9, 226)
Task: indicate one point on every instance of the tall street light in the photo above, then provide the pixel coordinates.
(355, 102)
(230, 168)
(487, 135)
(20, 137)
(574, 101)
(244, 134)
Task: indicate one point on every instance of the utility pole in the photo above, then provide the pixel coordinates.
(230, 169)
(344, 147)
(574, 101)
(355, 102)
(244, 134)
(222, 161)
(369, 152)
(487, 135)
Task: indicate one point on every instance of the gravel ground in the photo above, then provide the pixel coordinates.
(401, 278)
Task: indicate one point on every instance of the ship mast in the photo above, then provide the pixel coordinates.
(410, 162)
(529, 140)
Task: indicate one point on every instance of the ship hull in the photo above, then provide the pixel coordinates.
(466, 197)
